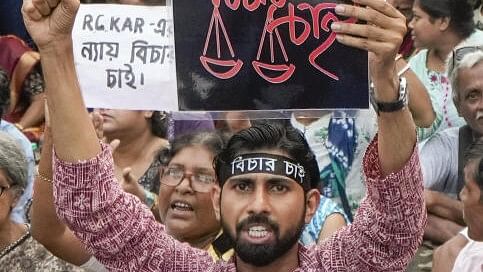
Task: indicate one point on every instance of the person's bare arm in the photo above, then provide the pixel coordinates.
(46, 227)
(419, 102)
(114, 225)
(333, 223)
(397, 131)
(444, 257)
(34, 115)
(444, 206)
(439, 230)
(391, 218)
(72, 129)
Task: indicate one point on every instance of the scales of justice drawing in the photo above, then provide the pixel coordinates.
(265, 55)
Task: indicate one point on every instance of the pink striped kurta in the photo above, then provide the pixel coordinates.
(123, 234)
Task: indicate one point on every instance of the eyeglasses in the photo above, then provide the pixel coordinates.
(200, 182)
(458, 54)
(3, 189)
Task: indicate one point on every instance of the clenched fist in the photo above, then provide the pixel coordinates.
(49, 21)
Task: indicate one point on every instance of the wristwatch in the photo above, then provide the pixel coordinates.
(397, 105)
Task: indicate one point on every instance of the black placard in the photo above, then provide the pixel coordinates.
(265, 55)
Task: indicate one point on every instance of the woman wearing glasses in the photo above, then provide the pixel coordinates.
(437, 27)
(187, 180)
(18, 250)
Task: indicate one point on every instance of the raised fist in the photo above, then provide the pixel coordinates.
(49, 21)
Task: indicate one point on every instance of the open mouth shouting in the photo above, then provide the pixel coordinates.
(180, 209)
(257, 230)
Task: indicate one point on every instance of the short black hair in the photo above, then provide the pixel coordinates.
(271, 136)
(474, 153)
(460, 13)
(159, 124)
(211, 140)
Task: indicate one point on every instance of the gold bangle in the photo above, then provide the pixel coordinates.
(44, 178)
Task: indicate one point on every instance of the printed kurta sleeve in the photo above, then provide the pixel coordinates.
(389, 225)
(115, 226)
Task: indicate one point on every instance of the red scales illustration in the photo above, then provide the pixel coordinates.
(271, 71)
(233, 65)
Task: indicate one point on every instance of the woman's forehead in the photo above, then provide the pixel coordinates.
(193, 157)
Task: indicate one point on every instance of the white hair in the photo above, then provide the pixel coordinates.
(13, 161)
(469, 60)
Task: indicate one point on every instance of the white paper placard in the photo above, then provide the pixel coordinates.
(124, 56)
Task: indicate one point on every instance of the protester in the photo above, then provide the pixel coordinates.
(442, 156)
(462, 252)
(465, 68)
(438, 26)
(18, 212)
(383, 237)
(406, 8)
(46, 228)
(141, 136)
(419, 101)
(18, 250)
(20, 71)
(329, 217)
(472, 95)
(187, 179)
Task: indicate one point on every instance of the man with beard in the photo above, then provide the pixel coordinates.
(265, 197)
(259, 170)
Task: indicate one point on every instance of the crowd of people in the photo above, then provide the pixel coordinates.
(367, 190)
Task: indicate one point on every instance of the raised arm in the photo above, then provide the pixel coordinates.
(388, 228)
(115, 226)
(50, 24)
(381, 37)
(46, 227)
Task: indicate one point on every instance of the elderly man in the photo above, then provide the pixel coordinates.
(264, 205)
(442, 156)
(465, 70)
